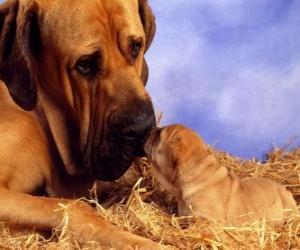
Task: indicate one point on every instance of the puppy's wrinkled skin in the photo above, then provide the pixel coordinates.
(184, 165)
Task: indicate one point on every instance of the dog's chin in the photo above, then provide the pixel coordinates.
(112, 164)
(110, 169)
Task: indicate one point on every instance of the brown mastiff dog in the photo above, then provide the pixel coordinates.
(184, 165)
(74, 108)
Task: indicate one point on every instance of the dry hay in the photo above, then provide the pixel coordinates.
(143, 207)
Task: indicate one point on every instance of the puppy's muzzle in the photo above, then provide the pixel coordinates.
(152, 140)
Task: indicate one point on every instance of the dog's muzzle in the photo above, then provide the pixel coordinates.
(127, 131)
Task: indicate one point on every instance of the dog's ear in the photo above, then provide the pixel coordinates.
(148, 21)
(18, 45)
(145, 72)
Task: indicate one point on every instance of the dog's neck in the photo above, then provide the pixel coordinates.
(198, 174)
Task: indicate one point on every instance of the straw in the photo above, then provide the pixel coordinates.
(140, 205)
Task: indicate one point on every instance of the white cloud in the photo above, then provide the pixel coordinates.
(165, 61)
(245, 79)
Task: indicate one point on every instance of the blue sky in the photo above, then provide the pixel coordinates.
(230, 69)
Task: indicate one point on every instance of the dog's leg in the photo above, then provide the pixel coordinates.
(41, 213)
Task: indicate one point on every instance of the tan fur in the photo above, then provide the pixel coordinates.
(204, 187)
(35, 146)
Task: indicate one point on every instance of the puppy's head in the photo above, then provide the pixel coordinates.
(169, 147)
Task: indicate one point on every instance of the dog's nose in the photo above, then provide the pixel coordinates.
(134, 122)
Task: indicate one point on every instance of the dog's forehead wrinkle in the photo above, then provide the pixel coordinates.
(126, 16)
(116, 19)
(72, 24)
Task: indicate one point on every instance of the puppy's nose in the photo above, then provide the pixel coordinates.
(154, 133)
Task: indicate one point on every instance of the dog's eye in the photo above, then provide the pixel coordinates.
(135, 47)
(88, 65)
(135, 50)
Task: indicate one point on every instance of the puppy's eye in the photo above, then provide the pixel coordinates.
(88, 65)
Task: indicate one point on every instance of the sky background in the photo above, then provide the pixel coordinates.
(229, 69)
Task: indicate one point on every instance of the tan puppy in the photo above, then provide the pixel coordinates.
(185, 166)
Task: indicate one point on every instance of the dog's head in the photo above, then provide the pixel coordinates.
(83, 61)
(172, 146)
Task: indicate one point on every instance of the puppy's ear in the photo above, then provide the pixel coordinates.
(18, 46)
(148, 21)
(173, 149)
